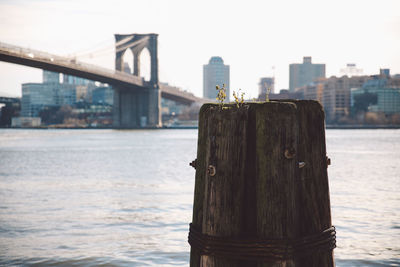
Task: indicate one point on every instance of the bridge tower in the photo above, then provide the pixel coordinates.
(137, 107)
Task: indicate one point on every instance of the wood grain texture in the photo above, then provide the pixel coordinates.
(314, 202)
(224, 192)
(201, 168)
(276, 193)
(257, 191)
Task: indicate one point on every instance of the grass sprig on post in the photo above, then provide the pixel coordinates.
(239, 101)
(221, 96)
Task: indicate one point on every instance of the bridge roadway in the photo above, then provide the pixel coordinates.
(38, 59)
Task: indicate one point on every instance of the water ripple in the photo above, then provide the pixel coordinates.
(124, 198)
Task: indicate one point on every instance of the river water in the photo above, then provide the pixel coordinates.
(124, 198)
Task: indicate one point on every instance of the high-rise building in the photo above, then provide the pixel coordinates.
(52, 93)
(84, 87)
(215, 73)
(51, 77)
(267, 84)
(76, 80)
(127, 69)
(304, 73)
(103, 95)
(36, 96)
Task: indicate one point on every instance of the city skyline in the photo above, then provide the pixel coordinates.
(188, 36)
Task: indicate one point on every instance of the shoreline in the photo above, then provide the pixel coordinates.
(327, 126)
(366, 127)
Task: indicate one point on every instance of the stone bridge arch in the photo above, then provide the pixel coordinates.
(136, 43)
(137, 107)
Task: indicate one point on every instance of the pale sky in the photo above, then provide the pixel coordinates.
(250, 36)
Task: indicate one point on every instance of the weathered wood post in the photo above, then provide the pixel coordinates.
(261, 189)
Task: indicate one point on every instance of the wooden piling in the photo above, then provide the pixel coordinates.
(314, 202)
(249, 186)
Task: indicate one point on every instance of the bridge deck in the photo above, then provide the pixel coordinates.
(38, 59)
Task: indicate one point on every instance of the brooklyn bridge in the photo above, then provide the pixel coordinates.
(137, 102)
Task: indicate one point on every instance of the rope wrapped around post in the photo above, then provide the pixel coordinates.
(261, 249)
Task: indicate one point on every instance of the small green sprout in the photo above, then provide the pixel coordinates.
(221, 96)
(239, 102)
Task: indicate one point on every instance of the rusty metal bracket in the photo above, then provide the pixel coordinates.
(193, 163)
(290, 153)
(211, 170)
(328, 161)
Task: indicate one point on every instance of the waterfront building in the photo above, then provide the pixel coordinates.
(266, 84)
(52, 93)
(103, 95)
(25, 122)
(283, 94)
(83, 93)
(385, 88)
(215, 73)
(333, 93)
(83, 87)
(50, 77)
(36, 96)
(336, 95)
(313, 91)
(66, 94)
(75, 80)
(304, 73)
